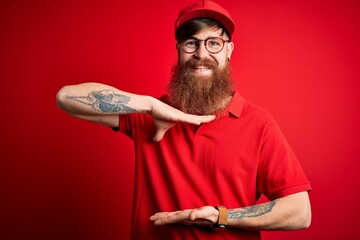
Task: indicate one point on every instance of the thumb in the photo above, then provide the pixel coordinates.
(159, 134)
(193, 215)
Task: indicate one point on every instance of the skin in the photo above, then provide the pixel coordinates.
(220, 58)
(287, 213)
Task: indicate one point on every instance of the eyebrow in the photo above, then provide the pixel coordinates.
(192, 37)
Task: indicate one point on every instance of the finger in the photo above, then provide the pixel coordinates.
(194, 119)
(207, 213)
(159, 135)
(193, 215)
(207, 118)
(172, 218)
(198, 214)
(156, 216)
(162, 215)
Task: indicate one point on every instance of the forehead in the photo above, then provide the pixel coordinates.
(208, 32)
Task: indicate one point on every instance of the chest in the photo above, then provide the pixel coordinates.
(225, 146)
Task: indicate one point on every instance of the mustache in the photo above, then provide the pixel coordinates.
(192, 63)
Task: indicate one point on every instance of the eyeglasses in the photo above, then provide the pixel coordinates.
(212, 44)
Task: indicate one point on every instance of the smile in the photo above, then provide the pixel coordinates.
(201, 68)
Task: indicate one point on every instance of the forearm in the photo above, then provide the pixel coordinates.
(287, 213)
(99, 99)
(102, 104)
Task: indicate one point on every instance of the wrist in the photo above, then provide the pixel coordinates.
(222, 221)
(150, 102)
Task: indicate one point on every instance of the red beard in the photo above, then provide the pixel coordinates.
(200, 95)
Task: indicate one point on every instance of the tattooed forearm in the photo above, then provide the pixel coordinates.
(105, 101)
(252, 211)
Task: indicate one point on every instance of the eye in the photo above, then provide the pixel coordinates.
(214, 43)
(191, 43)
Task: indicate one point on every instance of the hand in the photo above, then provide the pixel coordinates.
(165, 117)
(204, 216)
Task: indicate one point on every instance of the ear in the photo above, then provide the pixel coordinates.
(229, 49)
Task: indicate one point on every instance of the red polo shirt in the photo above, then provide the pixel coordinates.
(230, 161)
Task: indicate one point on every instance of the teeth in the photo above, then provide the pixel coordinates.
(200, 67)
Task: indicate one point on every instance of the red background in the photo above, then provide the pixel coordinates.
(62, 178)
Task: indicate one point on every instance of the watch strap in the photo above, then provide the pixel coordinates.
(223, 217)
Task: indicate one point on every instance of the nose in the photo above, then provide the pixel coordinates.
(202, 52)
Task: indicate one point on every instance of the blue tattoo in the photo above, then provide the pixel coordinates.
(105, 101)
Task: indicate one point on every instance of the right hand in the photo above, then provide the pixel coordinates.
(165, 117)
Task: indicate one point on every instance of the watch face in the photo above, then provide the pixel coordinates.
(217, 227)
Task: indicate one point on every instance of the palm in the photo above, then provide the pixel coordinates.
(165, 117)
(204, 216)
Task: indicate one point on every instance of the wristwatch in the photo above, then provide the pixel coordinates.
(223, 218)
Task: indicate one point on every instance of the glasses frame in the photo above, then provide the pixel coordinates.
(205, 43)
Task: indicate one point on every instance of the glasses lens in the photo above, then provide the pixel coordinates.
(190, 45)
(214, 45)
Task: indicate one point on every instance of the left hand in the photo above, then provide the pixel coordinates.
(204, 216)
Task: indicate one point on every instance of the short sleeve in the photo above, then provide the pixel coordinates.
(279, 173)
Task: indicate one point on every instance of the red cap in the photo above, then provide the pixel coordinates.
(208, 9)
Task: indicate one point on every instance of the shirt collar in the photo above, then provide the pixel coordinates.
(236, 105)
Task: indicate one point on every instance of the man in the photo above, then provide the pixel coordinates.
(220, 153)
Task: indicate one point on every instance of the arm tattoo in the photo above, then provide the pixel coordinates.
(105, 101)
(252, 211)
